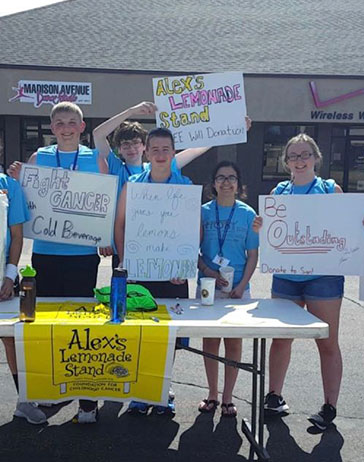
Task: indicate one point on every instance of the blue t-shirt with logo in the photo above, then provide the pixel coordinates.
(86, 162)
(240, 236)
(17, 208)
(319, 186)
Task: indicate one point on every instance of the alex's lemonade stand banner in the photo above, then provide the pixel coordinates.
(72, 351)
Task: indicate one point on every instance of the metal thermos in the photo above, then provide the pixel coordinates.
(118, 295)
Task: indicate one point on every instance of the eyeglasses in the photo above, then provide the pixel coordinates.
(294, 157)
(129, 144)
(223, 178)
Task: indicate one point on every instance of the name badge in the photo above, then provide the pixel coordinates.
(220, 260)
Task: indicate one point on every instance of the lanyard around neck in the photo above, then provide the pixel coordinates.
(226, 227)
(309, 188)
(58, 160)
(128, 170)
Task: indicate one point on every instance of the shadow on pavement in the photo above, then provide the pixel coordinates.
(115, 438)
(282, 447)
(202, 442)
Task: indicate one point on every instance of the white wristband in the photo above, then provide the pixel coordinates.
(11, 271)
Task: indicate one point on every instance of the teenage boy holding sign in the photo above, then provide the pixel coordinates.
(160, 153)
(66, 270)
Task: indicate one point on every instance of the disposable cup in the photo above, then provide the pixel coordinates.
(207, 291)
(227, 272)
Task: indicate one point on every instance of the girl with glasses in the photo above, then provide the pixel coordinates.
(227, 239)
(322, 295)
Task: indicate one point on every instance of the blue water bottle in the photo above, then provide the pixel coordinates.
(118, 295)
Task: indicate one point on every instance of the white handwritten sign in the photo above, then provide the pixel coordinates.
(202, 110)
(69, 207)
(162, 231)
(305, 235)
(3, 233)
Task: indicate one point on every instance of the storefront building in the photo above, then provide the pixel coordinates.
(330, 109)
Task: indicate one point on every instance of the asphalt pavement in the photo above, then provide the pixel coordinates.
(191, 436)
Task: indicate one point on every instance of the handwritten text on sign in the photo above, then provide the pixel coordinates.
(162, 231)
(69, 207)
(308, 235)
(202, 110)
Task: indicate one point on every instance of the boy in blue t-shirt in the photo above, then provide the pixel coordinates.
(160, 153)
(67, 270)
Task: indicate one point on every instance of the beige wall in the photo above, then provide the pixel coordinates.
(281, 99)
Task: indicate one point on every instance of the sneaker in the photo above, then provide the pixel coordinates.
(45, 404)
(167, 410)
(30, 412)
(137, 407)
(324, 417)
(275, 403)
(84, 417)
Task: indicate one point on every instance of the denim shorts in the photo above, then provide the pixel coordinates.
(321, 288)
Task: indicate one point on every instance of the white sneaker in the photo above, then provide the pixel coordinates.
(84, 417)
(31, 412)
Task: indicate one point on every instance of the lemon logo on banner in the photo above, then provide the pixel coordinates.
(94, 354)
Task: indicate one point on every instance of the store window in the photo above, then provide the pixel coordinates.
(347, 158)
(275, 138)
(37, 132)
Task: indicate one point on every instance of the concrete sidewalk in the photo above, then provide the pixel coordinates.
(191, 436)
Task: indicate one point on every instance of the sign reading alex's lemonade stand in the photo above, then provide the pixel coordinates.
(71, 351)
(202, 109)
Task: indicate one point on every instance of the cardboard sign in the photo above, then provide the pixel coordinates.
(69, 207)
(71, 351)
(202, 110)
(312, 235)
(162, 232)
(3, 233)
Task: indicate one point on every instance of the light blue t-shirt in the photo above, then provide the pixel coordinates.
(319, 186)
(124, 171)
(240, 236)
(17, 207)
(175, 178)
(86, 162)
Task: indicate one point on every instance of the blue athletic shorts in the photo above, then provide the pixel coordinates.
(322, 288)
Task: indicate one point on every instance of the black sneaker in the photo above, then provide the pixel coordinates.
(324, 417)
(275, 403)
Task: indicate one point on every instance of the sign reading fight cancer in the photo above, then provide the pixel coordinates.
(69, 207)
(306, 235)
(202, 110)
(162, 232)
